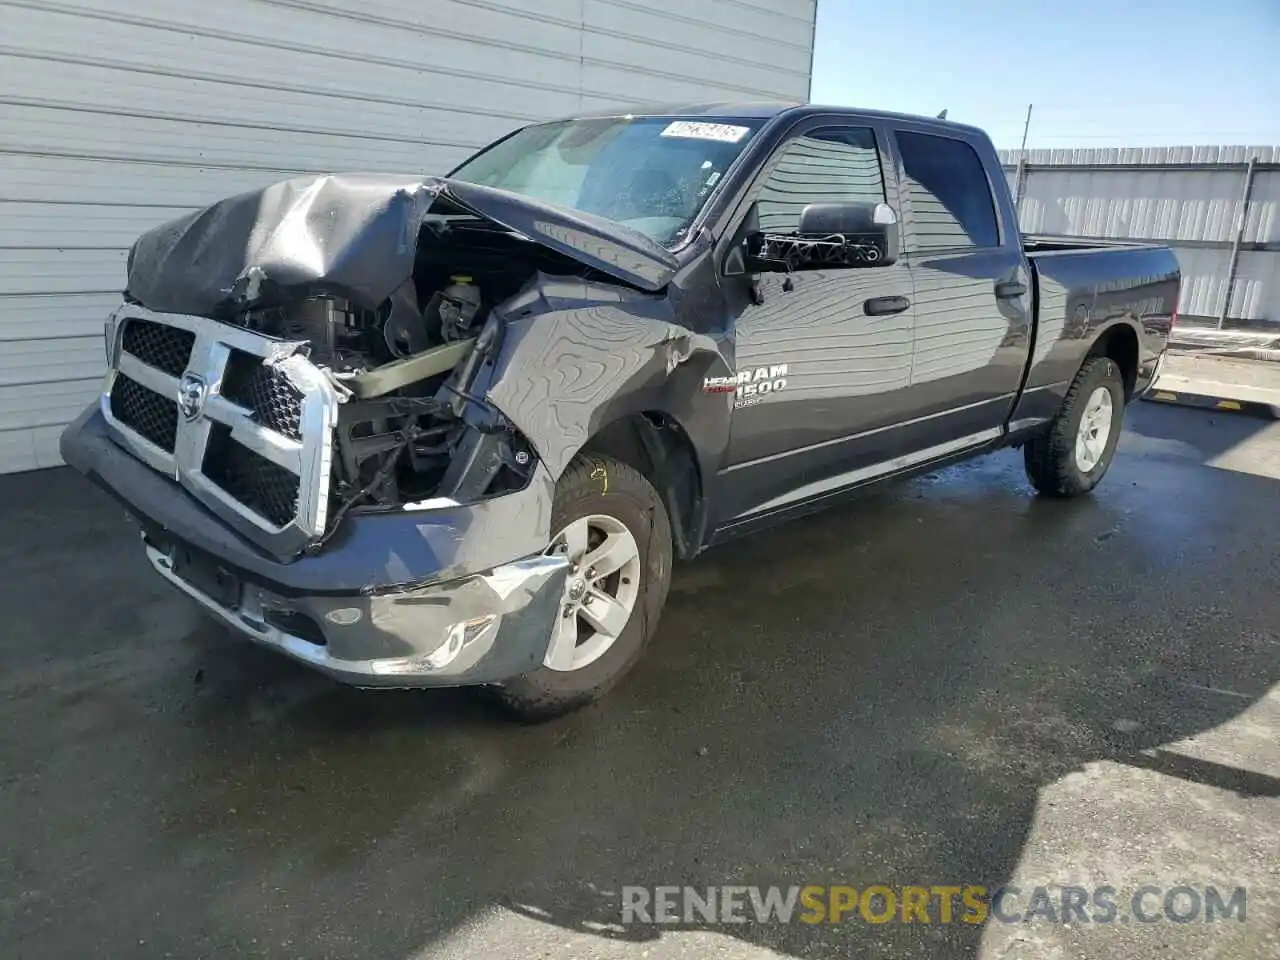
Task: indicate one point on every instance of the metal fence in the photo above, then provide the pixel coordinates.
(1218, 207)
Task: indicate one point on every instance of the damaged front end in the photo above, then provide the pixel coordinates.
(320, 347)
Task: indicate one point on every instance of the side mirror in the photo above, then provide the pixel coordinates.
(829, 235)
(869, 230)
(765, 253)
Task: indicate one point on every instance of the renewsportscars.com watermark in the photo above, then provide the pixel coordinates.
(961, 903)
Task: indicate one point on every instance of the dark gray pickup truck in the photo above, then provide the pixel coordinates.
(418, 432)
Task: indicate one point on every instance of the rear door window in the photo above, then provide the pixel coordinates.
(946, 185)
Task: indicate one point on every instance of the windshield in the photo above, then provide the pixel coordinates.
(652, 174)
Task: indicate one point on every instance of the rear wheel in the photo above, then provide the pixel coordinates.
(1078, 448)
(611, 526)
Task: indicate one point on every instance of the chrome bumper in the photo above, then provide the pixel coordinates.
(478, 629)
(1148, 374)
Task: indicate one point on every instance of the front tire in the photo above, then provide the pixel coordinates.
(611, 525)
(1078, 448)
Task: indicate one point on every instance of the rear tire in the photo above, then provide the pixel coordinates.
(1074, 454)
(613, 501)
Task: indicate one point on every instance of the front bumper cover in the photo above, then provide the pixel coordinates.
(440, 597)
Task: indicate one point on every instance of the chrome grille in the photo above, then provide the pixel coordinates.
(251, 479)
(155, 344)
(242, 421)
(147, 413)
(275, 402)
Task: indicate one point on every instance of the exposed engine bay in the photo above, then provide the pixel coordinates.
(412, 427)
(394, 290)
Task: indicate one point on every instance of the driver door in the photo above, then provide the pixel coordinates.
(824, 352)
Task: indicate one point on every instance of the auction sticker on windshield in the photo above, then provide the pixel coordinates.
(695, 130)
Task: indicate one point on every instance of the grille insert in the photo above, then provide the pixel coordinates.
(275, 402)
(253, 454)
(159, 345)
(145, 412)
(249, 478)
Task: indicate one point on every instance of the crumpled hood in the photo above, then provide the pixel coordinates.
(355, 236)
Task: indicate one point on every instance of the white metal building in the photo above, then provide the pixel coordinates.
(117, 116)
(1217, 206)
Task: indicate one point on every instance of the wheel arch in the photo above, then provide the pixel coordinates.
(657, 444)
(1119, 342)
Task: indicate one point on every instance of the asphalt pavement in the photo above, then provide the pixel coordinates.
(946, 682)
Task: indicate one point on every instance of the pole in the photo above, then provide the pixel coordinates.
(1242, 217)
(1017, 188)
(1022, 167)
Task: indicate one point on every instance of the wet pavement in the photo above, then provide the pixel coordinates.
(947, 682)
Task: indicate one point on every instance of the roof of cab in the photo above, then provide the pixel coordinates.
(757, 110)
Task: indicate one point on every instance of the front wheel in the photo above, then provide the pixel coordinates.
(1078, 448)
(611, 525)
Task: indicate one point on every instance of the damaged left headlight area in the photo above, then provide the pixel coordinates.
(282, 422)
(417, 433)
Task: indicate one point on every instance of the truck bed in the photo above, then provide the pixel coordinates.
(1083, 285)
(1033, 244)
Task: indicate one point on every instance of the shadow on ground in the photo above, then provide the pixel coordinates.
(875, 695)
(1224, 431)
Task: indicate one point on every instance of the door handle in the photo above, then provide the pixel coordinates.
(883, 306)
(1010, 289)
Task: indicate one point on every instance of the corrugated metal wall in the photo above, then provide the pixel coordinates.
(115, 117)
(1188, 197)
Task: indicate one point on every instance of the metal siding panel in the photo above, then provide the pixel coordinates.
(1132, 205)
(17, 451)
(496, 22)
(84, 180)
(500, 19)
(114, 118)
(78, 226)
(625, 86)
(45, 440)
(45, 404)
(745, 79)
(1263, 224)
(1256, 295)
(35, 271)
(684, 29)
(53, 316)
(381, 48)
(1204, 280)
(29, 448)
(127, 93)
(78, 133)
(49, 361)
(788, 21)
(1189, 205)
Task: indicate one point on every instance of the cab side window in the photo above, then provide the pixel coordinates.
(950, 198)
(826, 165)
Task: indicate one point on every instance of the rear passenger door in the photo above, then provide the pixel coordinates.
(972, 289)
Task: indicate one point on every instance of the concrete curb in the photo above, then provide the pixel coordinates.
(1206, 401)
(1230, 384)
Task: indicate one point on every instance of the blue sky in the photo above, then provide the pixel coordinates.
(1099, 72)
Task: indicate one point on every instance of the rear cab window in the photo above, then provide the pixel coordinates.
(949, 195)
